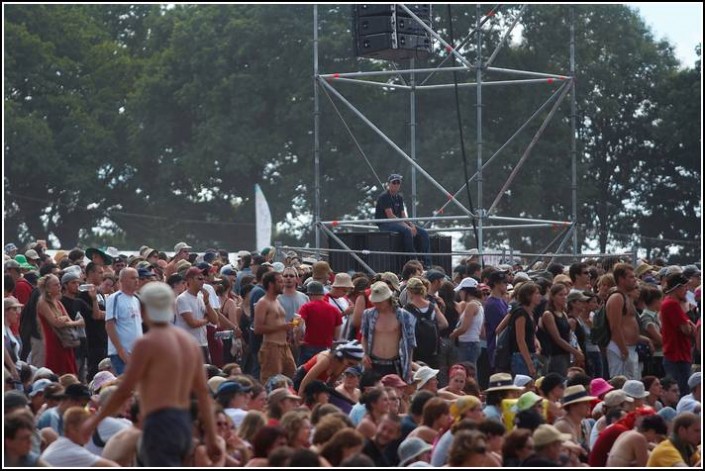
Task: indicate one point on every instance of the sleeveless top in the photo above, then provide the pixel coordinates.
(473, 332)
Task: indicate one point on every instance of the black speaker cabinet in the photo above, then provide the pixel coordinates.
(385, 31)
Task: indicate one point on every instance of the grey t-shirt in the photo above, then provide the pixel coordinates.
(292, 303)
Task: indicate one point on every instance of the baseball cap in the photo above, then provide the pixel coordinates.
(158, 299)
(11, 301)
(394, 176)
(433, 275)
(228, 270)
(469, 283)
(497, 277)
(181, 246)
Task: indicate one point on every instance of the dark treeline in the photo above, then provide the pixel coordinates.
(154, 124)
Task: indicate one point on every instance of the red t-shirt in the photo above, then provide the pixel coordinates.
(603, 445)
(321, 320)
(676, 345)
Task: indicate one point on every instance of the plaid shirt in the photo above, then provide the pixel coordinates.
(407, 322)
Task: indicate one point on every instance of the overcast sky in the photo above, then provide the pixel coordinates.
(680, 23)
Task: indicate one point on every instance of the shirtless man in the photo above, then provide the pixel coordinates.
(166, 367)
(624, 327)
(270, 321)
(388, 335)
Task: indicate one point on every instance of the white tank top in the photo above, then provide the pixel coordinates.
(473, 332)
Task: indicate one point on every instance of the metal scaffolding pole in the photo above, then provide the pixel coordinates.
(494, 83)
(530, 147)
(316, 134)
(412, 136)
(527, 73)
(478, 80)
(377, 73)
(573, 150)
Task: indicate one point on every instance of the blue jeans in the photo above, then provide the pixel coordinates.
(118, 364)
(469, 351)
(680, 371)
(519, 366)
(306, 352)
(421, 238)
(594, 364)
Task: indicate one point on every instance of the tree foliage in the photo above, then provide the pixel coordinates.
(137, 124)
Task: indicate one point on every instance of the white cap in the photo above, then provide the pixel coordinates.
(467, 283)
(158, 299)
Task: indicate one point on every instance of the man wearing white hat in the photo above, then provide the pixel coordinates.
(338, 298)
(425, 379)
(167, 364)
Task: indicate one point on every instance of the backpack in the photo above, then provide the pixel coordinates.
(503, 346)
(600, 333)
(29, 324)
(428, 341)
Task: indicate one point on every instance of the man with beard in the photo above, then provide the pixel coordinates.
(270, 321)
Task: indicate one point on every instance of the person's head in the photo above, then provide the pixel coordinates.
(467, 407)
(129, 280)
(426, 378)
(518, 444)
(272, 282)
(290, 278)
(653, 386)
(528, 294)
(497, 281)
(297, 425)
(694, 385)
(457, 377)
(49, 287)
(494, 432)
(687, 428)
(624, 277)
(281, 401)
(670, 392)
(579, 274)
(19, 428)
(344, 444)
(651, 297)
(604, 284)
(576, 401)
(13, 308)
(548, 441)
(376, 401)
(158, 300)
(436, 414)
(654, 428)
(394, 183)
(253, 422)
(388, 429)
(557, 297)
(267, 439)
(316, 392)
(418, 402)
(469, 448)
(552, 386)
(74, 417)
(415, 286)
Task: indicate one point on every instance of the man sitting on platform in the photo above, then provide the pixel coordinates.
(390, 205)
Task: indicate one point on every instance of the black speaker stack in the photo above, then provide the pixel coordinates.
(383, 242)
(387, 32)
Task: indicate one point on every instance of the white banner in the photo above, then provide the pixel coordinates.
(263, 219)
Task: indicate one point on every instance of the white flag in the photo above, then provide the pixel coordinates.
(263, 219)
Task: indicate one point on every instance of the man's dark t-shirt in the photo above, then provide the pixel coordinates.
(386, 200)
(95, 329)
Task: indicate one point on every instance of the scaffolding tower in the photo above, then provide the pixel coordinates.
(481, 215)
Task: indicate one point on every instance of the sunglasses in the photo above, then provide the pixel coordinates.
(396, 182)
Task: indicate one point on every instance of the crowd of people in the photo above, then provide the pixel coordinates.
(267, 359)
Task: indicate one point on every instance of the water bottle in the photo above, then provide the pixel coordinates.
(224, 334)
(86, 287)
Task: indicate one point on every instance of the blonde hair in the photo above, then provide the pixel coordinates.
(416, 286)
(74, 417)
(42, 283)
(252, 423)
